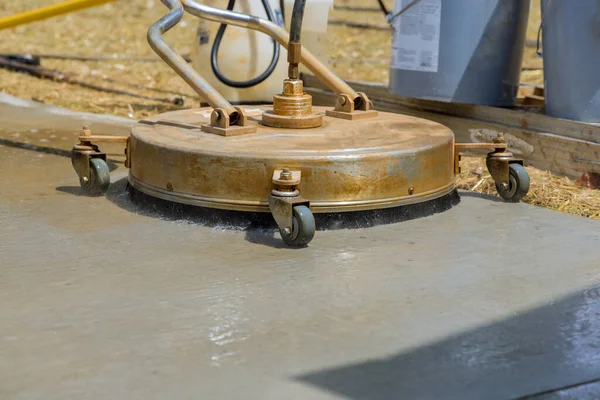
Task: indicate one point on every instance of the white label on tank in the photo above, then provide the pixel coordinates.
(416, 40)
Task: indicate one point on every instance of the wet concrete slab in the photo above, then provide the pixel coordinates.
(121, 298)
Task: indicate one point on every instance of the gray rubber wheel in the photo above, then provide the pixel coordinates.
(303, 228)
(99, 179)
(518, 184)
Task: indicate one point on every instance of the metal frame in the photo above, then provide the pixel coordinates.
(497, 161)
(178, 63)
(81, 156)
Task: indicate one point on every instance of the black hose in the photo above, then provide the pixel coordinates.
(296, 24)
(215, 52)
(383, 8)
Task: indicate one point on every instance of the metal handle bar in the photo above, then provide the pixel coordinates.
(322, 73)
(202, 87)
(179, 65)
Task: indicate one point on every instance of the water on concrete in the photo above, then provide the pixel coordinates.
(121, 298)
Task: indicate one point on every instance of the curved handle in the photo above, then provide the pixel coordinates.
(178, 64)
(332, 81)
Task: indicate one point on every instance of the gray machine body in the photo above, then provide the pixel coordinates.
(571, 33)
(481, 46)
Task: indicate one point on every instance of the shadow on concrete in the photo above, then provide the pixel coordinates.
(550, 352)
(74, 190)
(32, 147)
(267, 237)
(112, 164)
(477, 195)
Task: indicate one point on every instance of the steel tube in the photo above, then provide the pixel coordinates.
(322, 73)
(179, 65)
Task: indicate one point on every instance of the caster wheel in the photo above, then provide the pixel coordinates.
(99, 179)
(518, 184)
(303, 228)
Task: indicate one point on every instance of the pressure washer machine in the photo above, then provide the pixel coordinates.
(291, 158)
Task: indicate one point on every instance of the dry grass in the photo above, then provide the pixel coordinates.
(119, 29)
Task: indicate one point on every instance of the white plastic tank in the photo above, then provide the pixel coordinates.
(246, 54)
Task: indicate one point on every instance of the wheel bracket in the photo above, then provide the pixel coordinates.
(497, 166)
(282, 209)
(285, 196)
(81, 156)
(82, 153)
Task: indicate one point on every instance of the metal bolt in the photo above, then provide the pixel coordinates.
(504, 186)
(342, 100)
(285, 175)
(84, 179)
(286, 231)
(85, 131)
(411, 190)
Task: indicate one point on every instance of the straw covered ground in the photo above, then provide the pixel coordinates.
(118, 30)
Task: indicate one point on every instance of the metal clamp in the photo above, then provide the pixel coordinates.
(350, 108)
(221, 124)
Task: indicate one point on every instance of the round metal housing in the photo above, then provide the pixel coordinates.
(380, 162)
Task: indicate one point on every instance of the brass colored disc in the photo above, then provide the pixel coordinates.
(373, 163)
(296, 122)
(292, 105)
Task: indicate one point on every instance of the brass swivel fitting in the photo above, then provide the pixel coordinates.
(292, 102)
(292, 108)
